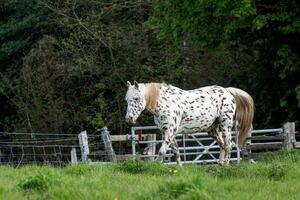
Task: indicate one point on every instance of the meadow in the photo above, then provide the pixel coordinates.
(274, 176)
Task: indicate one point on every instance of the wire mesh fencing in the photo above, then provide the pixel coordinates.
(18, 149)
(36, 148)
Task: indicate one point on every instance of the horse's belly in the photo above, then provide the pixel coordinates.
(188, 129)
(196, 125)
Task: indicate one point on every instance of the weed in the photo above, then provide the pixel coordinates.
(40, 181)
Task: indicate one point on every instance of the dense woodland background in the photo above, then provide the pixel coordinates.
(64, 63)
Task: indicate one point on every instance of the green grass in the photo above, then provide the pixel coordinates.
(276, 176)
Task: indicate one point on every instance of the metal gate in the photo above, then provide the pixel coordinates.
(194, 148)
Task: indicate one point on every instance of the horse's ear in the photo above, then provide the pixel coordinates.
(128, 84)
(136, 85)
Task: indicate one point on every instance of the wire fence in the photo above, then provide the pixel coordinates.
(17, 149)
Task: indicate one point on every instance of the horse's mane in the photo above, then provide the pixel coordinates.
(152, 94)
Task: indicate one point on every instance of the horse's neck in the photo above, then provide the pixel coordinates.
(166, 96)
(152, 93)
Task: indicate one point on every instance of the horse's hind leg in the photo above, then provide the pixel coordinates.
(218, 137)
(226, 128)
(227, 121)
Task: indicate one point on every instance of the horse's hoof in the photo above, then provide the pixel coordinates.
(221, 163)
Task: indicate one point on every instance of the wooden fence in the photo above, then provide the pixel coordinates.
(272, 139)
(60, 149)
(260, 141)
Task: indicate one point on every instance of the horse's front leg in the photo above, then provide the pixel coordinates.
(165, 145)
(175, 149)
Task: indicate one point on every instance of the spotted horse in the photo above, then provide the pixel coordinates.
(214, 109)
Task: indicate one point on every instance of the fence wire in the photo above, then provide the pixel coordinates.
(17, 149)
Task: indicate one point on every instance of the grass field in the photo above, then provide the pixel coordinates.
(276, 176)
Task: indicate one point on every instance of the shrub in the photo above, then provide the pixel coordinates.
(39, 181)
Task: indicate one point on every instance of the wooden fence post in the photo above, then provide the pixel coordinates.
(84, 146)
(289, 135)
(73, 156)
(108, 144)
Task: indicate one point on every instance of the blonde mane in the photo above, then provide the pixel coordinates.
(152, 95)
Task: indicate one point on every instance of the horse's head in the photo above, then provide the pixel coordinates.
(136, 101)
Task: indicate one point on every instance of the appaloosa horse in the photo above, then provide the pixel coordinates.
(214, 109)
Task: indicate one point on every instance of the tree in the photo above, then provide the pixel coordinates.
(262, 38)
(22, 24)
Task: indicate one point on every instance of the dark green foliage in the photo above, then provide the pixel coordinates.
(41, 181)
(262, 37)
(22, 24)
(64, 64)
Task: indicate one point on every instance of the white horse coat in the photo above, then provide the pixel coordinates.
(213, 109)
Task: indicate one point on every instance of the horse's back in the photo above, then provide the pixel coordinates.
(204, 106)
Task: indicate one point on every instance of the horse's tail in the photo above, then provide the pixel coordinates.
(244, 112)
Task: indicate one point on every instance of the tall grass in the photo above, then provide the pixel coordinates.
(275, 176)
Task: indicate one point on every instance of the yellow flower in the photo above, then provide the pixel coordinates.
(116, 198)
(175, 171)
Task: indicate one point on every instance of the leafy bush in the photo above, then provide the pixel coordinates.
(40, 181)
